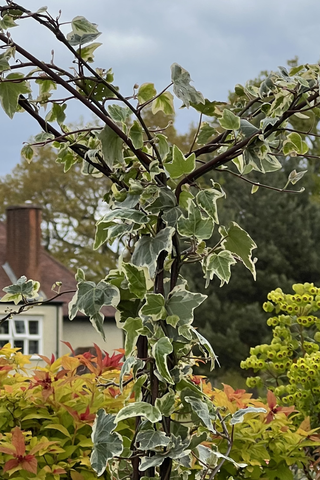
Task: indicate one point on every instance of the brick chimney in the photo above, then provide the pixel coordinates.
(24, 240)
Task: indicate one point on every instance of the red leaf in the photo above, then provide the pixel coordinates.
(69, 346)
(30, 464)
(18, 442)
(13, 463)
(271, 399)
(99, 356)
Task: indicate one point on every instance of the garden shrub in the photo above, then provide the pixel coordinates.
(46, 417)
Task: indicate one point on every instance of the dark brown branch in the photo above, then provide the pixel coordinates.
(60, 81)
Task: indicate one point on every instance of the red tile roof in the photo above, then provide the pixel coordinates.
(51, 271)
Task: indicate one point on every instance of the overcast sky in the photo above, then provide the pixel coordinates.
(220, 42)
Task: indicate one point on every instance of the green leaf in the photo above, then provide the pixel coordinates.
(22, 289)
(229, 120)
(7, 21)
(295, 144)
(182, 303)
(10, 92)
(154, 307)
(106, 443)
(163, 103)
(206, 132)
(86, 53)
(182, 88)
(132, 327)
(207, 349)
(56, 114)
(160, 350)
(81, 25)
(129, 363)
(238, 417)
(146, 92)
(137, 279)
(247, 128)
(219, 264)
(172, 320)
(129, 214)
(60, 428)
(136, 135)
(295, 176)
(119, 114)
(207, 200)
(200, 408)
(90, 298)
(139, 409)
(149, 248)
(162, 144)
(195, 225)
(111, 146)
(149, 462)
(27, 152)
(210, 457)
(166, 403)
(207, 108)
(239, 242)
(152, 440)
(74, 39)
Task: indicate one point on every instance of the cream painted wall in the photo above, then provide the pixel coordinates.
(50, 324)
(80, 333)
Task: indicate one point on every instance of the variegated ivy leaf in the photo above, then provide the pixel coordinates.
(136, 135)
(160, 350)
(138, 279)
(90, 298)
(200, 408)
(239, 242)
(181, 86)
(129, 363)
(154, 307)
(22, 289)
(166, 403)
(152, 440)
(10, 92)
(218, 264)
(195, 225)
(182, 303)
(163, 103)
(180, 165)
(132, 327)
(149, 248)
(146, 92)
(207, 200)
(229, 120)
(112, 146)
(139, 409)
(106, 443)
(206, 349)
(295, 145)
(238, 417)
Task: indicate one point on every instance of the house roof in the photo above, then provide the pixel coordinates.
(50, 270)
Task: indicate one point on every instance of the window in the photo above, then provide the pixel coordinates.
(24, 333)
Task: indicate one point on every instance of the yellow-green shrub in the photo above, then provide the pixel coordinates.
(46, 416)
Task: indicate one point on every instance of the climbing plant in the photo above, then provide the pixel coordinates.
(163, 206)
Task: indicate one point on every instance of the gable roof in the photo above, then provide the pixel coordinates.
(50, 271)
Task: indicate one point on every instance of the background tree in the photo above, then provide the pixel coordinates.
(161, 206)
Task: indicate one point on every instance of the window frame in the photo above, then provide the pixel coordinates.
(12, 336)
